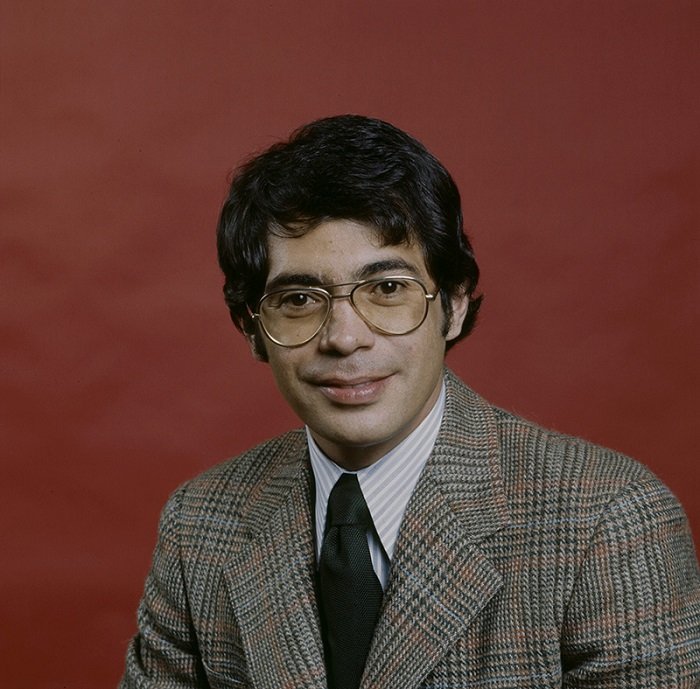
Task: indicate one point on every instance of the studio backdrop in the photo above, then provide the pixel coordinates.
(570, 128)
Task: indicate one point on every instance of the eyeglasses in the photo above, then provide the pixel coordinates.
(394, 305)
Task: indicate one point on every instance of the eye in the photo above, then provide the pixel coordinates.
(297, 302)
(389, 286)
(388, 289)
(295, 299)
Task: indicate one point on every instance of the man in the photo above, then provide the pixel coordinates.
(412, 535)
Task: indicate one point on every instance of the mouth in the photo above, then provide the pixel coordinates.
(356, 391)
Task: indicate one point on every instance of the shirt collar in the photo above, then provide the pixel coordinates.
(387, 485)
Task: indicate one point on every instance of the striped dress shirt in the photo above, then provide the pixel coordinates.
(387, 486)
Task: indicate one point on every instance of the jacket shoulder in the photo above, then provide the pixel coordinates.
(229, 489)
(564, 485)
(544, 471)
(537, 454)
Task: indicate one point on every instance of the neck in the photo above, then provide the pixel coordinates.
(352, 458)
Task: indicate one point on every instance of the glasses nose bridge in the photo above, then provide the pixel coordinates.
(333, 297)
(350, 296)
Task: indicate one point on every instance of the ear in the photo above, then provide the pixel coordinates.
(460, 304)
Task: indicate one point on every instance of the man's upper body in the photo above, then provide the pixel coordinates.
(525, 559)
(521, 557)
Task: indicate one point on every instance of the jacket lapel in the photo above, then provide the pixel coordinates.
(271, 583)
(440, 578)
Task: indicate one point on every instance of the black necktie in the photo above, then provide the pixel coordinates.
(350, 591)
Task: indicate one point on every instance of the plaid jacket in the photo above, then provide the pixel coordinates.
(526, 559)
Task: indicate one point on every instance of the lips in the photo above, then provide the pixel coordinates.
(355, 391)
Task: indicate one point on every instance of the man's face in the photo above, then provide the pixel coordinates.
(359, 391)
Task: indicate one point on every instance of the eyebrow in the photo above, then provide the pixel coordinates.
(293, 279)
(367, 271)
(385, 266)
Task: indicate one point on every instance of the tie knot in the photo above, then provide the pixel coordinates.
(346, 504)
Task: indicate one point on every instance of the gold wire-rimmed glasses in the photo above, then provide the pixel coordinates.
(392, 305)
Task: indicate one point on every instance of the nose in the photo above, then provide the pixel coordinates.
(344, 330)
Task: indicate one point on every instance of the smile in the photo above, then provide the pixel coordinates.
(352, 392)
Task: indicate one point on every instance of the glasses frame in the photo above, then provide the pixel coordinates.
(324, 291)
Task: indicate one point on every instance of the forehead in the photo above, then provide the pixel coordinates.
(340, 251)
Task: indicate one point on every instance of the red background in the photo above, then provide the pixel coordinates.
(570, 128)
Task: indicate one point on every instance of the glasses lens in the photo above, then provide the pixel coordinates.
(291, 317)
(393, 305)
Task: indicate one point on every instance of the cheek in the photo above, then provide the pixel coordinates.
(437, 327)
(284, 370)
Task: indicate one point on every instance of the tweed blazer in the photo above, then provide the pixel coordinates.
(525, 559)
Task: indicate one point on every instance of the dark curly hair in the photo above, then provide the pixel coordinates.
(344, 167)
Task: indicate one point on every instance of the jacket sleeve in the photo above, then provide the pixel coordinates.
(633, 619)
(164, 653)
